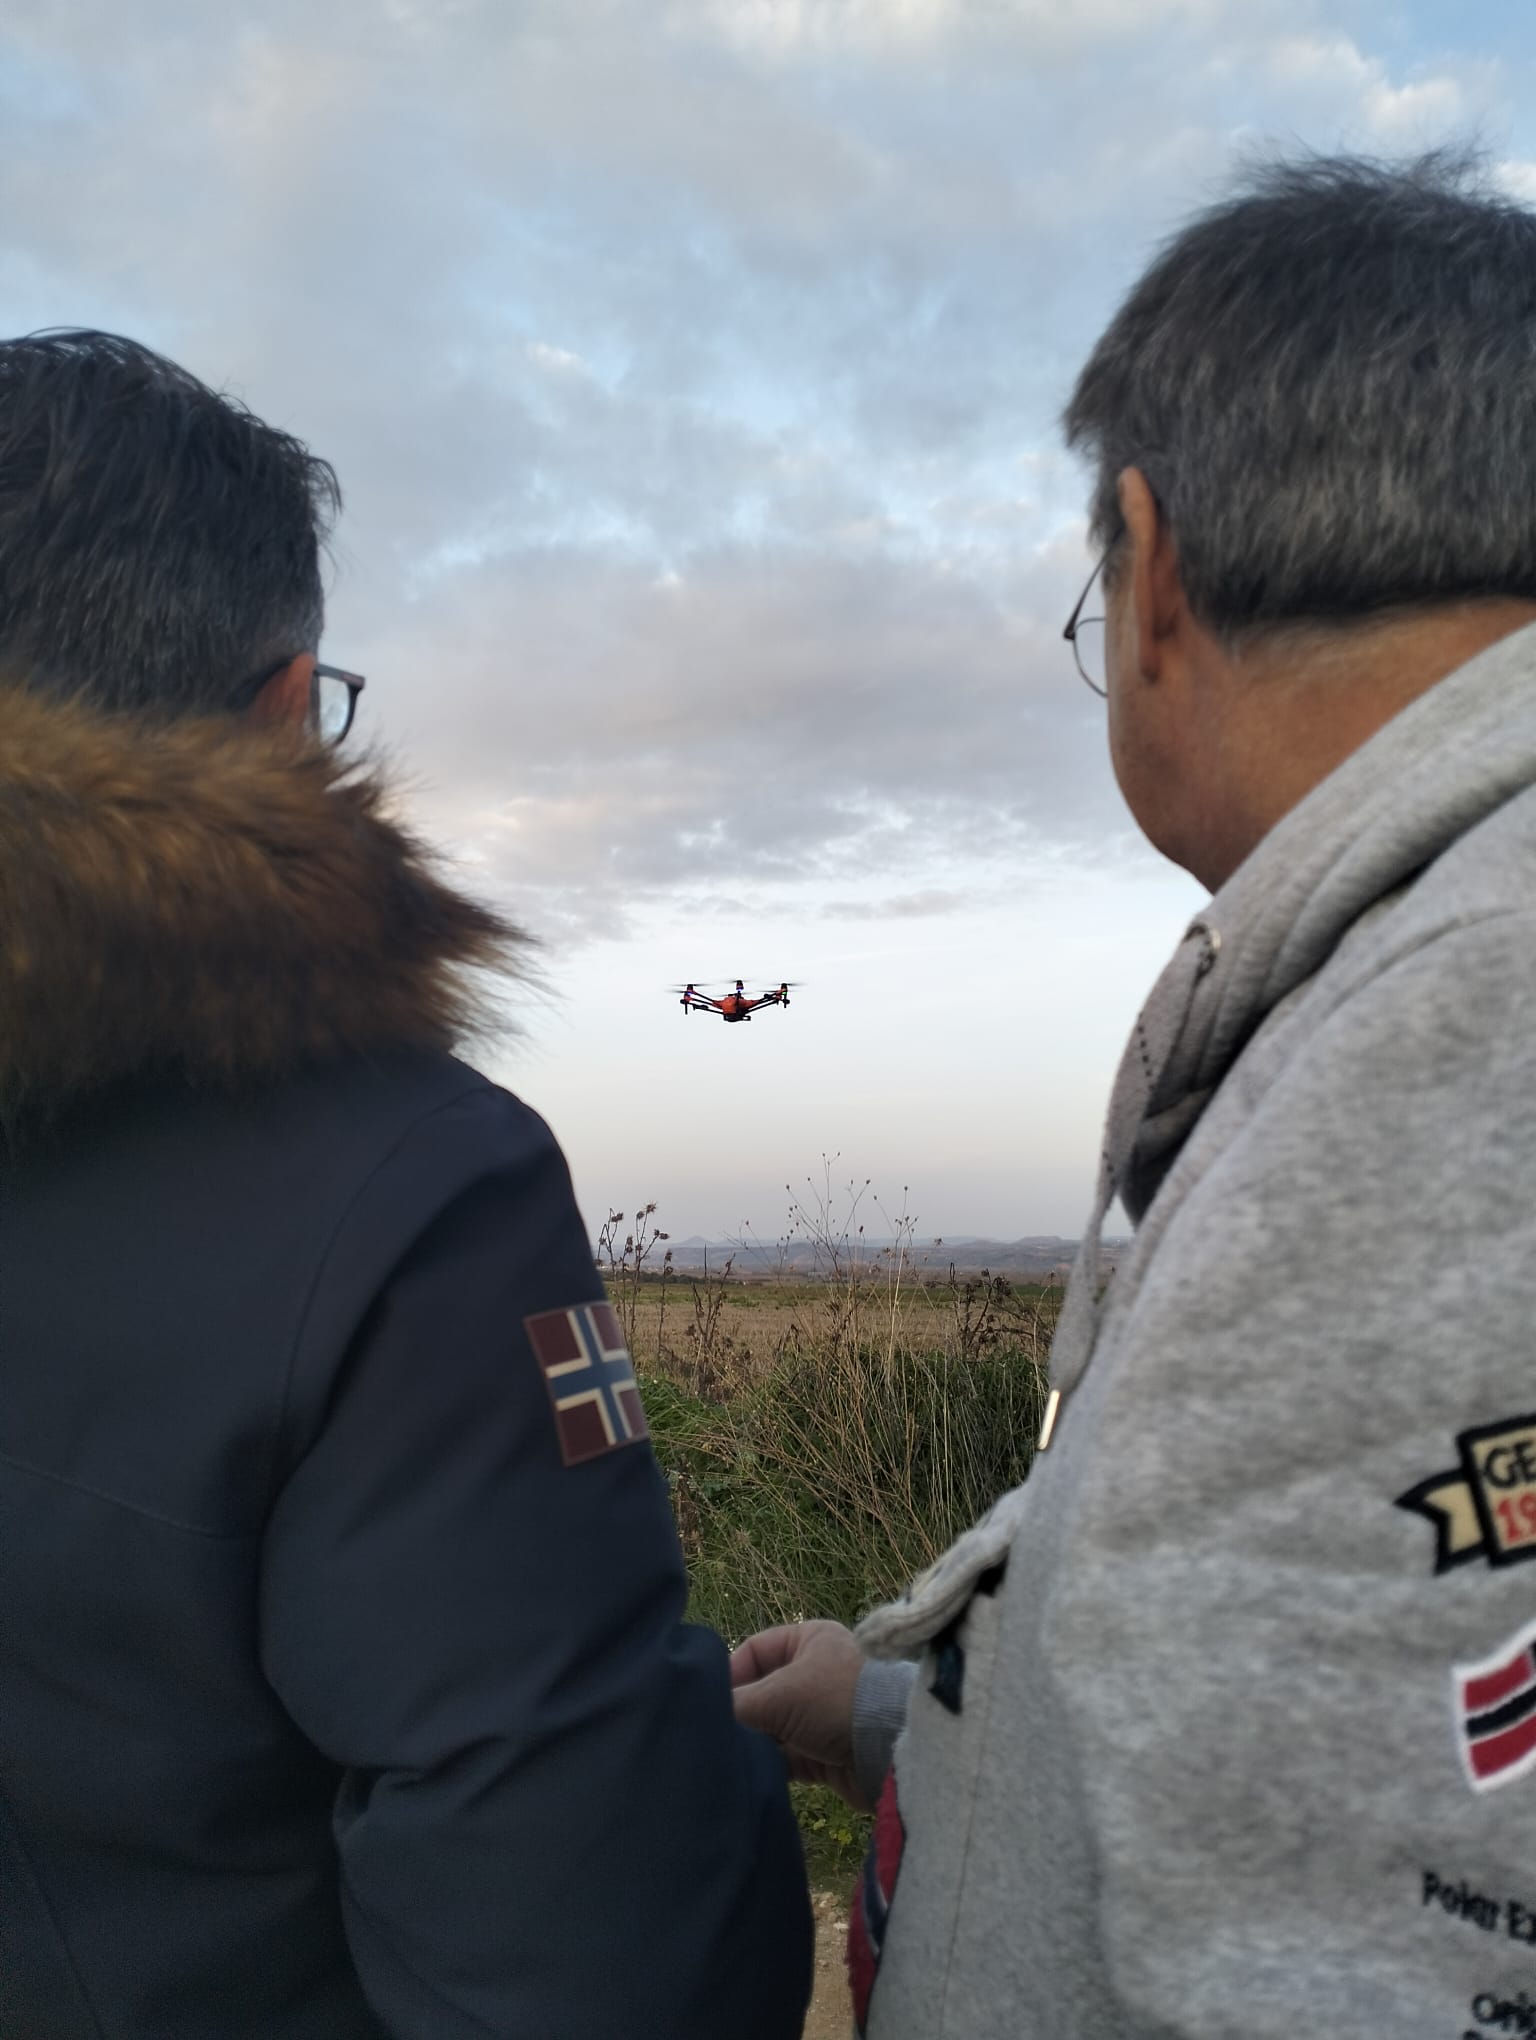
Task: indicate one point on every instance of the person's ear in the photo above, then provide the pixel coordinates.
(1150, 567)
(286, 696)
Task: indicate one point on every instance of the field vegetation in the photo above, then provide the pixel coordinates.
(826, 1438)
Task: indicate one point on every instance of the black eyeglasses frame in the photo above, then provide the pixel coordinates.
(248, 690)
(354, 682)
(1076, 620)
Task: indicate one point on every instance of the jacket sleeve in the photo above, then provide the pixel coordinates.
(880, 1702)
(1264, 1653)
(550, 1824)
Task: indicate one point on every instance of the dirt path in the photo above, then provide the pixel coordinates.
(831, 2016)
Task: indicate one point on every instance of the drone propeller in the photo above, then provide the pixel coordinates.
(728, 984)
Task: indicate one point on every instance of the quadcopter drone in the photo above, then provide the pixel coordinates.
(737, 1005)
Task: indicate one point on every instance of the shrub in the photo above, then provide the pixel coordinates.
(818, 1466)
(829, 1483)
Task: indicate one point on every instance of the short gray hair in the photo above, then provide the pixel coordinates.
(1329, 382)
(160, 547)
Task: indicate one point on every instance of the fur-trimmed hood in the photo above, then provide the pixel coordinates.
(213, 900)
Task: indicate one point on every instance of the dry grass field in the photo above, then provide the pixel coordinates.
(741, 1326)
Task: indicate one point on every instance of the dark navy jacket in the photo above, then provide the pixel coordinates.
(333, 1702)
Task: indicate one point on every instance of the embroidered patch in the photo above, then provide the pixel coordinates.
(1493, 1704)
(590, 1378)
(872, 1901)
(1486, 1506)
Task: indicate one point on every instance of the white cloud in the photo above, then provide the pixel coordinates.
(1519, 180)
(1415, 115)
(692, 372)
(1360, 102)
(812, 29)
(913, 906)
(792, 25)
(555, 360)
(603, 735)
(1310, 60)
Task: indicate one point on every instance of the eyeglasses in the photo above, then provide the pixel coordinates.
(333, 701)
(1085, 634)
(333, 696)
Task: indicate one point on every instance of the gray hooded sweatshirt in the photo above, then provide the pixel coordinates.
(1226, 1721)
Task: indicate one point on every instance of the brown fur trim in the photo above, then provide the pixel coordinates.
(215, 899)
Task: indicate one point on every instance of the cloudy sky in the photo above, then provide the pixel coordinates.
(692, 370)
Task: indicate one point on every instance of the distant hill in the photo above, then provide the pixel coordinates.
(1037, 1256)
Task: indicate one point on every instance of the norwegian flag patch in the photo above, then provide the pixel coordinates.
(590, 1378)
(1494, 1705)
(872, 1901)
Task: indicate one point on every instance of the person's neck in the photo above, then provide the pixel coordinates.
(1295, 707)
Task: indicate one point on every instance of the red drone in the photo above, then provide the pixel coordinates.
(737, 1005)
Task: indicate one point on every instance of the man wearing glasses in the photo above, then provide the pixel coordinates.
(1225, 1722)
(344, 1690)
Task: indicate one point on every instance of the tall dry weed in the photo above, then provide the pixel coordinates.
(815, 1471)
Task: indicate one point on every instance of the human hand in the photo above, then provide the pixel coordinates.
(797, 1684)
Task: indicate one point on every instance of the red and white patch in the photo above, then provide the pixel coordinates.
(1493, 1706)
(590, 1378)
(872, 1901)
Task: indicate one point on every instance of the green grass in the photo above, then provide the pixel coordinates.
(824, 1485)
(835, 1837)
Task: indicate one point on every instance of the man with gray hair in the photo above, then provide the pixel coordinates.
(1226, 1721)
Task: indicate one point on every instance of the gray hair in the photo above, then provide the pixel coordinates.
(1329, 382)
(160, 547)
